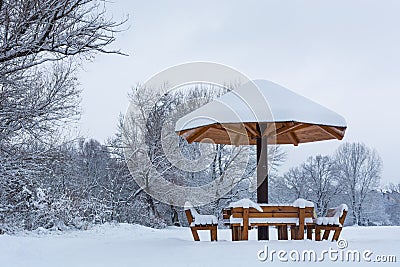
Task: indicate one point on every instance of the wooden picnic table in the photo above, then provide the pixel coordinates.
(242, 219)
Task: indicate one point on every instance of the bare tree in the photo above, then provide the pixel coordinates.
(323, 185)
(38, 104)
(33, 95)
(297, 182)
(41, 44)
(359, 171)
(36, 31)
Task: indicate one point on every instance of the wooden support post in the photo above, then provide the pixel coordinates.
(317, 234)
(309, 231)
(293, 232)
(262, 175)
(213, 233)
(300, 234)
(195, 234)
(245, 228)
(336, 234)
(327, 231)
(282, 232)
(236, 233)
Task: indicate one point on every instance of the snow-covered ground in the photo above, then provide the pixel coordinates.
(134, 245)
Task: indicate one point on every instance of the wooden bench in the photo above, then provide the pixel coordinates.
(333, 221)
(280, 216)
(200, 222)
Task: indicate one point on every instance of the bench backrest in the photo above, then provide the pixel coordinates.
(189, 216)
(334, 212)
(190, 212)
(340, 212)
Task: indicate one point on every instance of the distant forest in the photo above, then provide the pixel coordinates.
(53, 179)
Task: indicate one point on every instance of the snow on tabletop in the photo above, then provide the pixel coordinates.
(245, 203)
(302, 203)
(274, 204)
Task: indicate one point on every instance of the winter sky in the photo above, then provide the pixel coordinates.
(344, 55)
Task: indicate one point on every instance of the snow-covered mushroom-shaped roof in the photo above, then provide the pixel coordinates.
(234, 118)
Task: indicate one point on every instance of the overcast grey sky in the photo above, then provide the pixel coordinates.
(344, 55)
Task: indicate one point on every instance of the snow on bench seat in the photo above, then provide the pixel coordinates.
(200, 219)
(200, 222)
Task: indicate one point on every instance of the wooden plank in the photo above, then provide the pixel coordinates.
(331, 131)
(213, 233)
(189, 216)
(237, 215)
(293, 232)
(237, 209)
(274, 215)
(245, 229)
(293, 138)
(236, 230)
(203, 227)
(343, 217)
(252, 130)
(276, 209)
(282, 232)
(271, 224)
(197, 134)
(326, 234)
(300, 233)
(274, 212)
(241, 129)
(329, 227)
(309, 231)
(195, 234)
(337, 234)
(317, 234)
(291, 128)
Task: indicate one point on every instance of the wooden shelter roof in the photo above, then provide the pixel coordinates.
(233, 118)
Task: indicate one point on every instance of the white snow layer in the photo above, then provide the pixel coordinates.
(334, 219)
(200, 219)
(135, 245)
(260, 101)
(302, 203)
(233, 220)
(245, 203)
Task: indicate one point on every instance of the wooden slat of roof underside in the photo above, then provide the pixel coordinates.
(279, 133)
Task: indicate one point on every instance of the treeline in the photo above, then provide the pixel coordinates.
(351, 176)
(50, 180)
(42, 44)
(82, 182)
